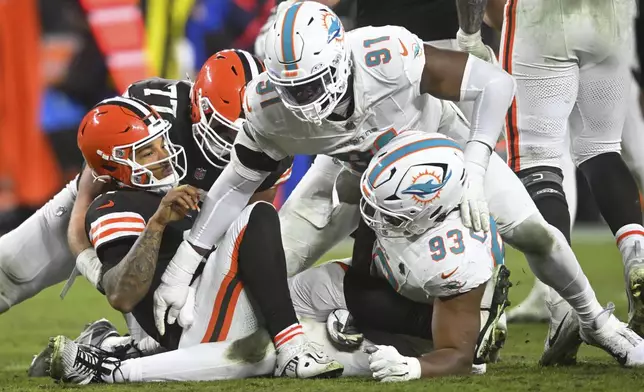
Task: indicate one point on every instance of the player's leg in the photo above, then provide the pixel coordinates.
(552, 260)
(633, 137)
(602, 108)
(533, 308)
(248, 269)
(35, 255)
(311, 224)
(250, 356)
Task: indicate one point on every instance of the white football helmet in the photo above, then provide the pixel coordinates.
(307, 59)
(412, 184)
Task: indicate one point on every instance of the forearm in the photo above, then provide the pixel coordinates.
(87, 191)
(492, 91)
(470, 14)
(445, 362)
(224, 202)
(129, 281)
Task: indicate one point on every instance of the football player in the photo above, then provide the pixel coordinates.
(347, 95)
(593, 80)
(411, 194)
(135, 234)
(36, 255)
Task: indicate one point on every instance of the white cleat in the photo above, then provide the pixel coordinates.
(500, 336)
(615, 338)
(563, 339)
(304, 359)
(634, 276)
(74, 363)
(533, 309)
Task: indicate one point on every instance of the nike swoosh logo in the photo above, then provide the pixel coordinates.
(558, 330)
(445, 276)
(404, 48)
(109, 204)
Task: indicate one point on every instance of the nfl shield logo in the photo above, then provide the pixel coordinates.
(200, 173)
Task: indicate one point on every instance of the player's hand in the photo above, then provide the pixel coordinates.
(474, 209)
(173, 294)
(176, 204)
(473, 44)
(340, 328)
(387, 365)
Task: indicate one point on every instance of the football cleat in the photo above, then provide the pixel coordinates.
(93, 335)
(74, 363)
(634, 276)
(340, 328)
(563, 339)
(39, 366)
(304, 359)
(486, 343)
(615, 338)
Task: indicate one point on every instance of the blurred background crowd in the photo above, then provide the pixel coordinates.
(60, 57)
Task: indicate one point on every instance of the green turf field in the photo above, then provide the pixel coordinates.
(25, 331)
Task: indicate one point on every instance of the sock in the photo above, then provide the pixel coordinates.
(614, 189)
(626, 237)
(262, 268)
(560, 270)
(287, 335)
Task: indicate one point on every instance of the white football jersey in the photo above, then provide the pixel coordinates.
(387, 65)
(448, 259)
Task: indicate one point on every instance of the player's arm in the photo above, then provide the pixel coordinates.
(86, 259)
(129, 280)
(458, 76)
(455, 329)
(468, 37)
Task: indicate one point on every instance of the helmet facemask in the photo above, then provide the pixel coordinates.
(141, 175)
(214, 133)
(313, 98)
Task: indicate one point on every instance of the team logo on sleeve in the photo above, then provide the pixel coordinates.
(416, 49)
(425, 182)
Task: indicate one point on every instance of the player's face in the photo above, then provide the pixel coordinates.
(154, 151)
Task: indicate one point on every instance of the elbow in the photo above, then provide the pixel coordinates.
(120, 303)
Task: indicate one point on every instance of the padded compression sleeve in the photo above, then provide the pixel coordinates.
(492, 91)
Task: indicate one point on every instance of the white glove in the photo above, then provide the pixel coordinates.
(387, 365)
(174, 290)
(473, 44)
(474, 210)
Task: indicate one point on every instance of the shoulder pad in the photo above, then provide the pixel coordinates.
(390, 54)
(111, 217)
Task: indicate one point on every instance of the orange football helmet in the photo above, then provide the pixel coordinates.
(110, 135)
(217, 96)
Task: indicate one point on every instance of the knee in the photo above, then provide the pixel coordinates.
(532, 236)
(263, 214)
(543, 181)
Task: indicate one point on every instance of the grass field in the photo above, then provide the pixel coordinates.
(25, 331)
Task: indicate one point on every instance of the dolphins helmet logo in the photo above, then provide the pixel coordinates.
(426, 186)
(333, 26)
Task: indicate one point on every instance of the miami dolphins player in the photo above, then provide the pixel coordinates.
(411, 194)
(346, 95)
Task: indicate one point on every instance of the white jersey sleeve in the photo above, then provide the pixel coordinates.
(260, 94)
(390, 56)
